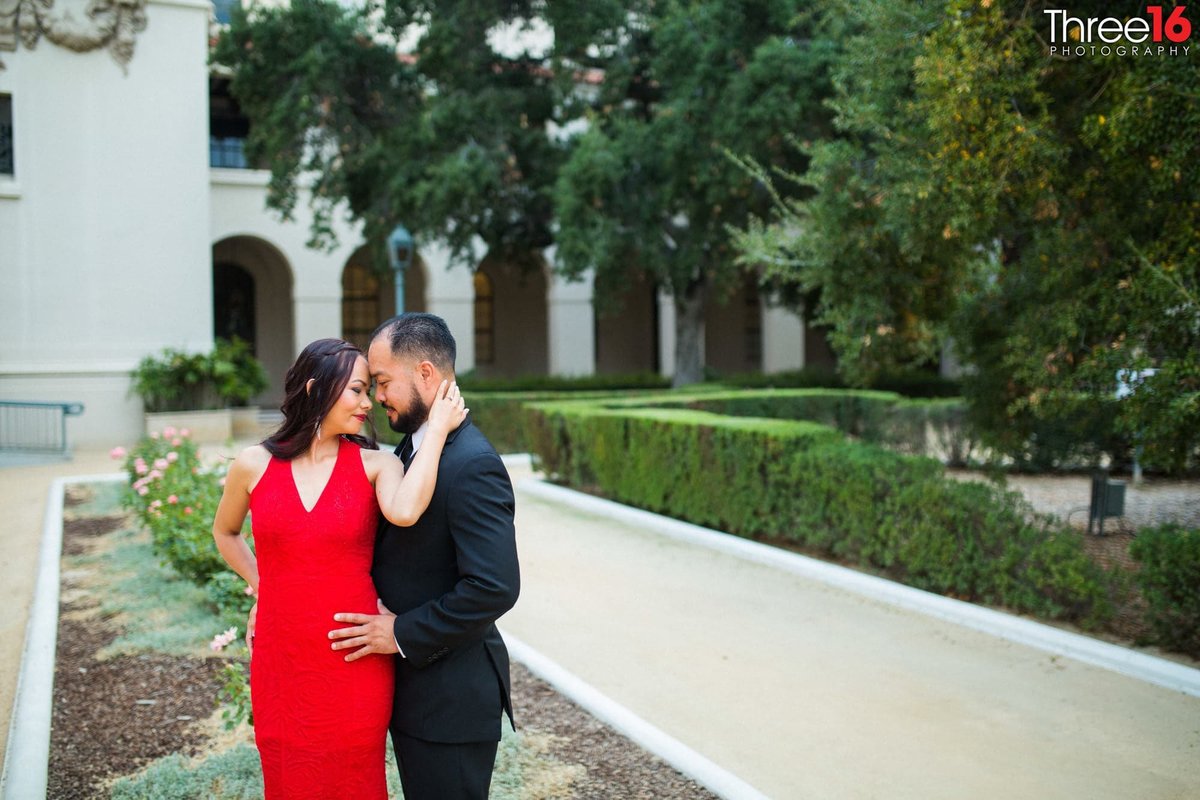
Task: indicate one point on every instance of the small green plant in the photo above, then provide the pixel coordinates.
(174, 380)
(236, 374)
(234, 696)
(1169, 576)
(235, 774)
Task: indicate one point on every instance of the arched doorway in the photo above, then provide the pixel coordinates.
(369, 296)
(252, 299)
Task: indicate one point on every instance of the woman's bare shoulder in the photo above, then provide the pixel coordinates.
(376, 460)
(251, 462)
(256, 455)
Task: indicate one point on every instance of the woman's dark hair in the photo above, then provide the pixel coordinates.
(329, 363)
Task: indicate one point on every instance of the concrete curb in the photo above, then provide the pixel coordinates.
(1158, 671)
(27, 756)
(719, 781)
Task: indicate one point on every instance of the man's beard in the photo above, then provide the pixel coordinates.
(409, 421)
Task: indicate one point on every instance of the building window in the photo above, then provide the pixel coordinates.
(6, 135)
(753, 327)
(360, 304)
(223, 11)
(227, 127)
(485, 320)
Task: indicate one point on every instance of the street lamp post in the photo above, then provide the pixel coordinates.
(400, 256)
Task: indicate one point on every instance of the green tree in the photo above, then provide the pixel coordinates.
(1039, 210)
(1084, 175)
(451, 142)
(868, 248)
(648, 188)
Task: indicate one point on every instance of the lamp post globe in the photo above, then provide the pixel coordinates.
(400, 256)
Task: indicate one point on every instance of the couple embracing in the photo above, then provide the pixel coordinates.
(378, 576)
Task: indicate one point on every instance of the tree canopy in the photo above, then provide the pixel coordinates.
(450, 141)
(1038, 210)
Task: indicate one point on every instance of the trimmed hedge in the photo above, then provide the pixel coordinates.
(910, 426)
(807, 484)
(915, 427)
(1170, 581)
(470, 382)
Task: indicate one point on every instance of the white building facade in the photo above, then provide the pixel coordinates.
(119, 237)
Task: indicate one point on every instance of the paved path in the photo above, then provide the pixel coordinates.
(806, 691)
(800, 689)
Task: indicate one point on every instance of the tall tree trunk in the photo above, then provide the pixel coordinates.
(689, 334)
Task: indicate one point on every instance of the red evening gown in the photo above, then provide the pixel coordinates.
(320, 723)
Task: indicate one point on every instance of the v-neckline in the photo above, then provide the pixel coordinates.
(329, 480)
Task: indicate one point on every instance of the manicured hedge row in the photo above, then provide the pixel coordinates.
(884, 417)
(807, 484)
(501, 417)
(915, 427)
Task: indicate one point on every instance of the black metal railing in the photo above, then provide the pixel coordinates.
(31, 427)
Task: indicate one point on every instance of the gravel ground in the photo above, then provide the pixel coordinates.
(1152, 502)
(113, 717)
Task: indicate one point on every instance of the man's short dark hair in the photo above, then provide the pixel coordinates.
(425, 337)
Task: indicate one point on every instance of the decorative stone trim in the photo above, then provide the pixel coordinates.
(110, 24)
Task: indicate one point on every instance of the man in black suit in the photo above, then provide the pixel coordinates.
(447, 578)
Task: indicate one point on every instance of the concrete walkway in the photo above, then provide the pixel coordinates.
(800, 689)
(803, 690)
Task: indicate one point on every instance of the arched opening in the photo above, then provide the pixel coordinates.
(369, 296)
(252, 299)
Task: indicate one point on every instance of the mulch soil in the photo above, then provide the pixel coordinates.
(114, 716)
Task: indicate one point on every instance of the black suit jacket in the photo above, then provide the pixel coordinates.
(448, 578)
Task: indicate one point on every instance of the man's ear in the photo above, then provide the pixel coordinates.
(428, 373)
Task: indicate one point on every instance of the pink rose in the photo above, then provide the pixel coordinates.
(117, 453)
(140, 467)
(185, 433)
(169, 432)
(187, 509)
(161, 463)
(172, 457)
(153, 434)
(173, 499)
(143, 491)
(176, 442)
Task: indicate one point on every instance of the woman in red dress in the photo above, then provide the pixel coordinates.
(314, 490)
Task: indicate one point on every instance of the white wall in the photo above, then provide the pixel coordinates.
(104, 254)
